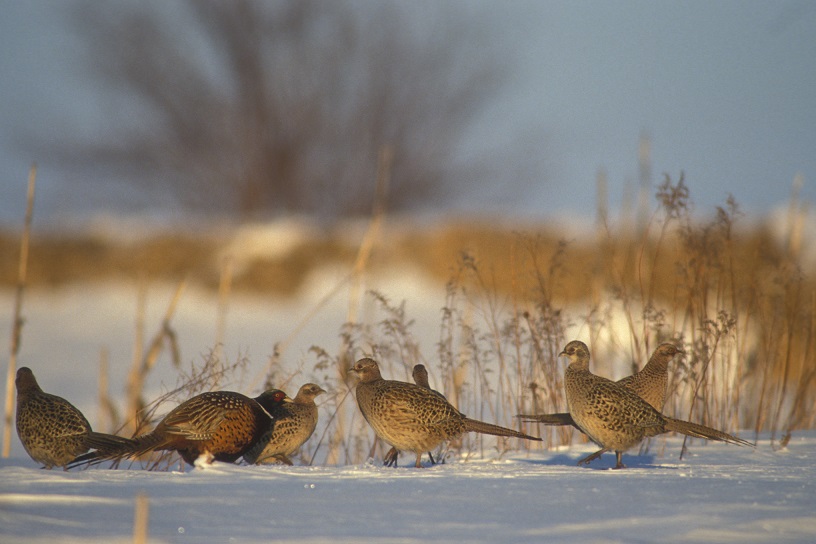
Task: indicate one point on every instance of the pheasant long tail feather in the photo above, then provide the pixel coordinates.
(108, 442)
(90, 458)
(146, 443)
(701, 431)
(487, 428)
(129, 448)
(549, 419)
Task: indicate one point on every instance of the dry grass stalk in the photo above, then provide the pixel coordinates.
(106, 420)
(17, 328)
(142, 366)
(373, 231)
(141, 519)
(360, 262)
(370, 238)
(224, 290)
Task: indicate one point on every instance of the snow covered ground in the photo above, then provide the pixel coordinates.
(720, 493)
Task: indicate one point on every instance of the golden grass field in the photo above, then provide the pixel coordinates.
(515, 259)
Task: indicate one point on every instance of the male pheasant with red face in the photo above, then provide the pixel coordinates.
(221, 425)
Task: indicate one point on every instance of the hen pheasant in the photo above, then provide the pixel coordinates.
(420, 375)
(52, 430)
(650, 384)
(615, 417)
(413, 418)
(295, 421)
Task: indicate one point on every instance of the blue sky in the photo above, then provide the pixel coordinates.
(726, 92)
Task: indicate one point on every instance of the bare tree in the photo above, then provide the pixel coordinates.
(247, 107)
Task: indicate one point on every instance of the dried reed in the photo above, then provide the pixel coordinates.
(17, 327)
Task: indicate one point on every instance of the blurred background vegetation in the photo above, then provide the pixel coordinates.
(249, 109)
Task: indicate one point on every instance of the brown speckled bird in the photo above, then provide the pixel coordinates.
(614, 416)
(221, 425)
(413, 418)
(650, 384)
(652, 381)
(52, 430)
(420, 375)
(295, 421)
